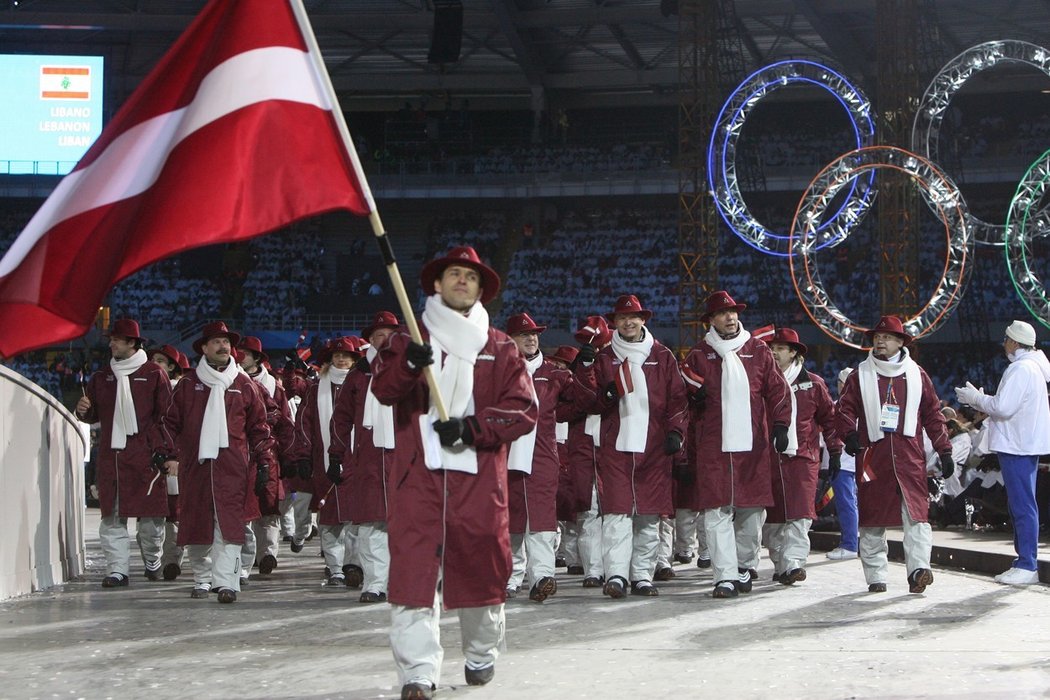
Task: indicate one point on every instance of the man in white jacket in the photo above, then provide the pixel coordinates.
(1019, 432)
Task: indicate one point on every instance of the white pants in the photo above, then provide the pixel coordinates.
(630, 546)
(874, 552)
(665, 551)
(533, 553)
(733, 538)
(589, 525)
(217, 564)
(689, 536)
(287, 515)
(415, 639)
(788, 544)
(263, 531)
(373, 552)
(116, 542)
(569, 549)
(171, 553)
(298, 505)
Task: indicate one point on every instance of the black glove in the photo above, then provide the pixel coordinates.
(851, 445)
(587, 354)
(698, 398)
(834, 464)
(672, 443)
(288, 469)
(305, 468)
(335, 470)
(684, 474)
(780, 438)
(947, 464)
(362, 365)
(454, 429)
(610, 393)
(158, 461)
(419, 356)
(262, 479)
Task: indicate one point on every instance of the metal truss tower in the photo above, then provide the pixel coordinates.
(710, 57)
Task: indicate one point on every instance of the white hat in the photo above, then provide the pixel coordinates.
(1022, 332)
(846, 371)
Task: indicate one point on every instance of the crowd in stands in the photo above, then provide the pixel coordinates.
(572, 159)
(164, 295)
(287, 268)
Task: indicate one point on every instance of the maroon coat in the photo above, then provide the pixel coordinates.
(629, 482)
(279, 418)
(533, 498)
(795, 477)
(579, 448)
(223, 483)
(684, 493)
(309, 445)
(450, 519)
(897, 462)
(738, 478)
(362, 497)
(130, 470)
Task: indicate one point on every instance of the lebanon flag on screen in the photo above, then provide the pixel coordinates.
(65, 82)
(232, 135)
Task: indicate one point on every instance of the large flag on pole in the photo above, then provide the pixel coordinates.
(232, 135)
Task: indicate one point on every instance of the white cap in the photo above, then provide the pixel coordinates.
(846, 371)
(1022, 332)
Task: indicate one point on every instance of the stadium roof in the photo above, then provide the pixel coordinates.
(578, 50)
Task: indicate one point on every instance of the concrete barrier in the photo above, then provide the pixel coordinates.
(42, 453)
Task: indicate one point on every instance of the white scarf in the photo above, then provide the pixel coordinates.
(791, 374)
(872, 401)
(267, 380)
(214, 432)
(561, 432)
(522, 450)
(457, 340)
(333, 377)
(736, 392)
(634, 405)
(592, 425)
(125, 422)
(376, 416)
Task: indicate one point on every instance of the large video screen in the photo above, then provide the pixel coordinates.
(50, 112)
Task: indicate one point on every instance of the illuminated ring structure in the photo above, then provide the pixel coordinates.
(721, 154)
(947, 203)
(925, 133)
(1021, 226)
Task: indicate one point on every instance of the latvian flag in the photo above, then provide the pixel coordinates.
(866, 472)
(235, 133)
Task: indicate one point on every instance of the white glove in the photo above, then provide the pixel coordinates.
(969, 395)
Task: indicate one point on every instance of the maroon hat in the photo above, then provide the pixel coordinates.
(594, 332)
(126, 328)
(565, 353)
(215, 329)
(720, 301)
(250, 342)
(168, 351)
(468, 257)
(889, 324)
(523, 323)
(787, 336)
(183, 362)
(629, 304)
(346, 343)
(383, 319)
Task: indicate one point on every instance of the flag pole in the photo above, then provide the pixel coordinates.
(373, 214)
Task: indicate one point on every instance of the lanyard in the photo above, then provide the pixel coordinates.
(891, 398)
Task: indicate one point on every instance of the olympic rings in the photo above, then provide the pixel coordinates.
(721, 155)
(925, 133)
(943, 196)
(1018, 234)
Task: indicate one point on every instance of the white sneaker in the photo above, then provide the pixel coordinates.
(840, 554)
(1018, 577)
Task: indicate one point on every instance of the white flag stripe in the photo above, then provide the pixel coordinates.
(133, 161)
